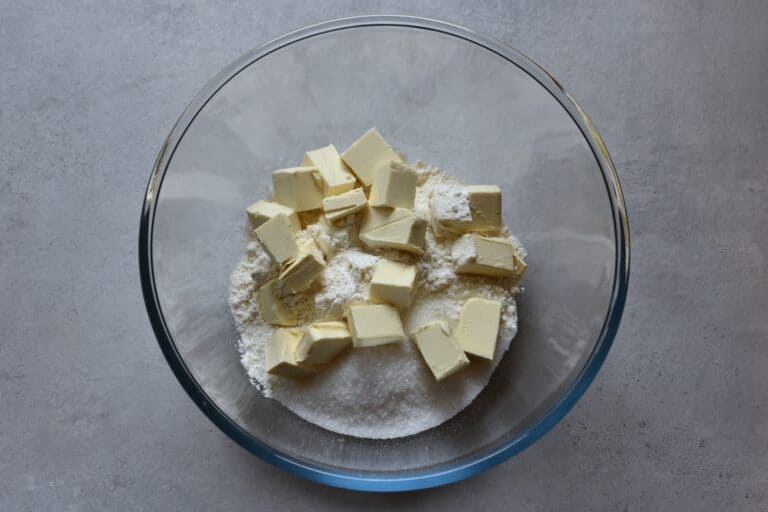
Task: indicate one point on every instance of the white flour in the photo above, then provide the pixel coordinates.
(450, 201)
(377, 392)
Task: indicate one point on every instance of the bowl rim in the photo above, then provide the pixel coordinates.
(418, 479)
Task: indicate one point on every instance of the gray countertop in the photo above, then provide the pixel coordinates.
(91, 418)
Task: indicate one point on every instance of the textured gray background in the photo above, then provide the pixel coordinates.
(91, 417)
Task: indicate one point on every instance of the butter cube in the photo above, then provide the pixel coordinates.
(438, 348)
(485, 206)
(321, 234)
(336, 207)
(368, 154)
(276, 237)
(376, 218)
(273, 311)
(393, 228)
(307, 265)
(298, 188)
(394, 185)
(478, 327)
(463, 209)
(393, 283)
(520, 267)
(261, 211)
(279, 354)
(374, 324)
(449, 208)
(336, 176)
(480, 255)
(322, 342)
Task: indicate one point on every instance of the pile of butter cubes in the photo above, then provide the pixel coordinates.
(370, 177)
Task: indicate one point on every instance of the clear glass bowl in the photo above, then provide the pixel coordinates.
(442, 94)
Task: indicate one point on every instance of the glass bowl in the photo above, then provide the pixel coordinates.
(442, 94)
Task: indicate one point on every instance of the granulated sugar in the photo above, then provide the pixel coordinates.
(378, 392)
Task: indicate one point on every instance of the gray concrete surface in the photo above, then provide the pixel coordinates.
(92, 419)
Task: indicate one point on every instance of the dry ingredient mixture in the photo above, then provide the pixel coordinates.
(385, 391)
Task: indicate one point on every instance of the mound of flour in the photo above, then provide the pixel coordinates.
(377, 392)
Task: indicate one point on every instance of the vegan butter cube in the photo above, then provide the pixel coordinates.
(336, 207)
(279, 354)
(276, 237)
(368, 154)
(307, 265)
(475, 254)
(438, 348)
(393, 283)
(336, 176)
(374, 324)
(261, 211)
(322, 342)
(298, 188)
(273, 311)
(485, 206)
(394, 228)
(394, 185)
(478, 327)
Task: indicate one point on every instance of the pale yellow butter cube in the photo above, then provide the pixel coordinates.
(449, 208)
(376, 218)
(304, 268)
(322, 342)
(298, 188)
(367, 154)
(393, 283)
(439, 350)
(478, 327)
(475, 254)
(272, 309)
(393, 228)
(394, 185)
(336, 176)
(336, 207)
(520, 268)
(374, 324)
(407, 235)
(279, 354)
(276, 237)
(321, 234)
(462, 209)
(485, 206)
(261, 211)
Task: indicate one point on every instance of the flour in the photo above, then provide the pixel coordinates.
(463, 250)
(345, 279)
(450, 201)
(378, 392)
